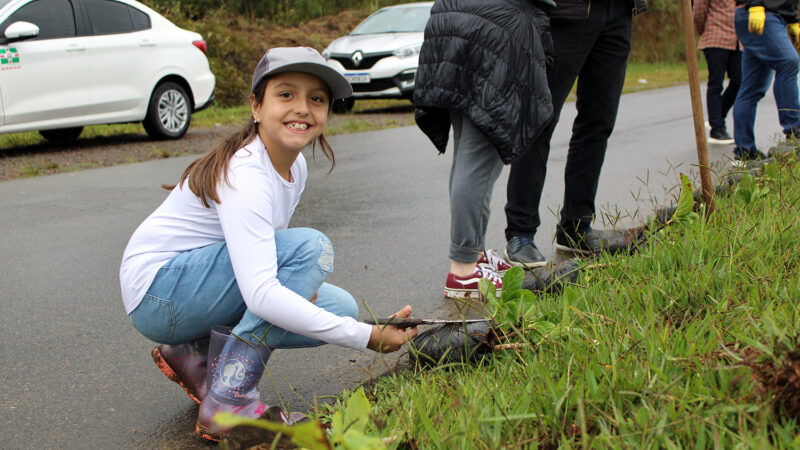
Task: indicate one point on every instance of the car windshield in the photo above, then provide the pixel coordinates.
(395, 20)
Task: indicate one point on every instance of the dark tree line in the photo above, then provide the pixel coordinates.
(280, 11)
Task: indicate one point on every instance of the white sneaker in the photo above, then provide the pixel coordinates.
(491, 259)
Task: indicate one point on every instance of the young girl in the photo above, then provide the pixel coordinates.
(216, 276)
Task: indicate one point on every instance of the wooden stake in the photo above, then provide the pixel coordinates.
(697, 108)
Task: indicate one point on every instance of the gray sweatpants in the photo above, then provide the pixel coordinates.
(476, 167)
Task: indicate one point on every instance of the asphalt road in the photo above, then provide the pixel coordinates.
(75, 374)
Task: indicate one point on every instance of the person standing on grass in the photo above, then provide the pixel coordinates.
(769, 32)
(215, 274)
(482, 70)
(592, 41)
(713, 21)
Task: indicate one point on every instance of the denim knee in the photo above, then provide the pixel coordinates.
(319, 246)
(337, 301)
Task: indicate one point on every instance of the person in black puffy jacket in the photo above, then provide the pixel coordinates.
(592, 40)
(482, 70)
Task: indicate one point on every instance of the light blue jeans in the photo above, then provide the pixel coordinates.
(764, 54)
(197, 290)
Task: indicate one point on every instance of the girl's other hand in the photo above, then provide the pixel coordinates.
(389, 338)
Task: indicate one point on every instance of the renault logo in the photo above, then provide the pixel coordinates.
(357, 58)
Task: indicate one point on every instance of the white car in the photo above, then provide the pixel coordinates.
(380, 56)
(65, 64)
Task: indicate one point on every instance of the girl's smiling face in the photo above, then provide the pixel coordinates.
(293, 111)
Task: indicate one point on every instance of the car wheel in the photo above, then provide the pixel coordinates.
(169, 113)
(62, 135)
(343, 105)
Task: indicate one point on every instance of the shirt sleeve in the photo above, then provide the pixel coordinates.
(699, 14)
(245, 214)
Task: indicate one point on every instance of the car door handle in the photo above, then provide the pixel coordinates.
(76, 48)
(147, 43)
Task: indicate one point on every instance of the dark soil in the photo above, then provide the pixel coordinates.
(780, 381)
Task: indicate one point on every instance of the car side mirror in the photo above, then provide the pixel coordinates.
(19, 31)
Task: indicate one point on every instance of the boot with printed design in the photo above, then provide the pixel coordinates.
(235, 367)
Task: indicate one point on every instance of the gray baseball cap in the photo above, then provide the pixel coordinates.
(305, 60)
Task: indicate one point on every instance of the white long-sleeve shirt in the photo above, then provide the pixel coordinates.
(256, 202)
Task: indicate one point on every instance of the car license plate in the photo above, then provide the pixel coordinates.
(356, 78)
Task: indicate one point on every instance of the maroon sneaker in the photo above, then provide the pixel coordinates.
(468, 287)
(494, 261)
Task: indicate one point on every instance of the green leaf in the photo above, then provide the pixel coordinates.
(349, 424)
(543, 327)
(488, 290)
(771, 171)
(356, 412)
(359, 441)
(743, 194)
(308, 435)
(512, 282)
(683, 212)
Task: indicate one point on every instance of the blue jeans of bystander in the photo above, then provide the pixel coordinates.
(197, 290)
(762, 55)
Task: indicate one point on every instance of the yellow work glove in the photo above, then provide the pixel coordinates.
(757, 17)
(794, 33)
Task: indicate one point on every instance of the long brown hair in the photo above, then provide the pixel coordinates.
(206, 173)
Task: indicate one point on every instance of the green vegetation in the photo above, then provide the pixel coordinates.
(644, 76)
(692, 341)
(284, 12)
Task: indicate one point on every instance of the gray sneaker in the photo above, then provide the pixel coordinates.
(521, 251)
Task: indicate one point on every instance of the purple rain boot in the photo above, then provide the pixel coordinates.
(235, 367)
(185, 364)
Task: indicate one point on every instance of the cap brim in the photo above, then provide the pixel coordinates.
(339, 86)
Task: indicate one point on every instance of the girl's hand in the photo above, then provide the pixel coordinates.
(389, 338)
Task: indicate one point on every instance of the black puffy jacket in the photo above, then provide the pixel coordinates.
(784, 8)
(485, 59)
(579, 9)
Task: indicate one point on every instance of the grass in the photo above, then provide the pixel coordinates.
(641, 76)
(690, 342)
(655, 76)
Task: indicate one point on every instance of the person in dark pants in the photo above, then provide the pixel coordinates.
(713, 21)
(592, 45)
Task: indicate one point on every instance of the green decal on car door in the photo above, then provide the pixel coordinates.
(9, 56)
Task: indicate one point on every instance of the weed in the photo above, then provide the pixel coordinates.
(30, 170)
(160, 153)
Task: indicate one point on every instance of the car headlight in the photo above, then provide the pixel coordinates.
(407, 52)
